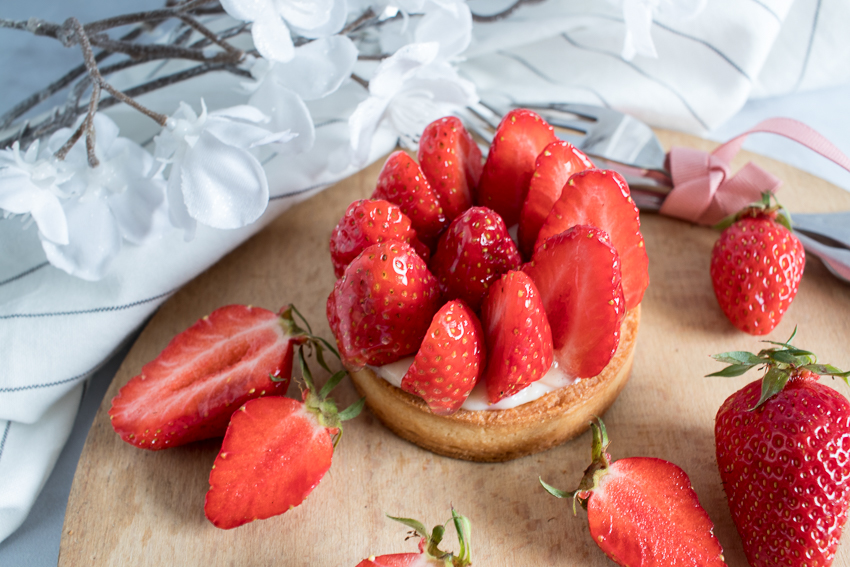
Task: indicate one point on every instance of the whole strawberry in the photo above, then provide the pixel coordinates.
(642, 511)
(756, 266)
(783, 450)
(429, 552)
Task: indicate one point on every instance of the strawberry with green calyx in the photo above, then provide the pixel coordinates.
(643, 511)
(275, 451)
(782, 449)
(756, 266)
(190, 390)
(429, 552)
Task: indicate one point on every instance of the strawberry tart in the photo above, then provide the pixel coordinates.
(470, 342)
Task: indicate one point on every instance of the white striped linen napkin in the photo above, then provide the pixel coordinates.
(55, 330)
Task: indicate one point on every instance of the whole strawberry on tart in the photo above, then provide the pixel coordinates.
(479, 348)
(783, 450)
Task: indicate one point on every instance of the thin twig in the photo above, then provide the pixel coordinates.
(360, 80)
(367, 57)
(504, 13)
(359, 22)
(139, 17)
(206, 32)
(138, 51)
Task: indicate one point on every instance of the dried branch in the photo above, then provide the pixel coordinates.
(504, 13)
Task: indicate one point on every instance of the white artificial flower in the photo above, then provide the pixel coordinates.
(272, 20)
(214, 179)
(123, 198)
(29, 184)
(638, 16)
(280, 89)
(446, 22)
(408, 90)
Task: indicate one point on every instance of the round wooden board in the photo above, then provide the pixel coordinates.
(134, 507)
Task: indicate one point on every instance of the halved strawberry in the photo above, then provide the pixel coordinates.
(206, 373)
(402, 182)
(450, 360)
(577, 274)
(382, 306)
(451, 160)
(600, 198)
(274, 454)
(643, 512)
(473, 253)
(520, 138)
(552, 168)
(430, 555)
(368, 222)
(519, 339)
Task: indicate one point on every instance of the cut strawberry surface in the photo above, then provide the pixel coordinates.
(450, 361)
(601, 198)
(577, 274)
(473, 253)
(451, 160)
(402, 182)
(643, 512)
(520, 138)
(552, 168)
(429, 552)
(519, 340)
(382, 306)
(401, 560)
(368, 222)
(206, 373)
(274, 454)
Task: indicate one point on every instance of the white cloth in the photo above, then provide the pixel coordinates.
(55, 330)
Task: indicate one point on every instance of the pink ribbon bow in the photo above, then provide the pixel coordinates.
(703, 191)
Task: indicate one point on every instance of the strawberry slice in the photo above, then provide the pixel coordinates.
(205, 373)
(552, 168)
(473, 253)
(274, 454)
(519, 340)
(382, 306)
(430, 555)
(368, 222)
(578, 275)
(451, 160)
(402, 182)
(450, 360)
(598, 197)
(520, 138)
(643, 512)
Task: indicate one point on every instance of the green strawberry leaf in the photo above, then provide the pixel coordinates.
(732, 371)
(463, 528)
(738, 357)
(772, 383)
(795, 357)
(352, 411)
(416, 525)
(332, 383)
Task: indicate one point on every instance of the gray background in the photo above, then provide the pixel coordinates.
(29, 63)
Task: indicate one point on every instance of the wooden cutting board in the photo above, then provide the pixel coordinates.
(134, 507)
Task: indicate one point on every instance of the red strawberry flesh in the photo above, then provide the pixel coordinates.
(206, 373)
(401, 560)
(451, 160)
(274, 454)
(519, 139)
(402, 182)
(600, 198)
(577, 274)
(645, 513)
(552, 168)
(450, 361)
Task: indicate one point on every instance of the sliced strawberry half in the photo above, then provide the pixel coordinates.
(207, 372)
(402, 182)
(450, 360)
(368, 222)
(577, 274)
(451, 160)
(599, 197)
(520, 138)
(474, 252)
(552, 168)
(274, 454)
(519, 339)
(382, 306)
(430, 555)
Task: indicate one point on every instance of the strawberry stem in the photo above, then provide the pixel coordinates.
(430, 542)
(757, 209)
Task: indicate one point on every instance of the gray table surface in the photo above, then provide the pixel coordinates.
(28, 63)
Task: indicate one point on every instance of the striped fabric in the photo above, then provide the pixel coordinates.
(56, 330)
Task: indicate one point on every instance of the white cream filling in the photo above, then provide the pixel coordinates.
(555, 378)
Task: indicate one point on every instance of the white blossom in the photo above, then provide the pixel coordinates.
(408, 90)
(638, 16)
(446, 22)
(272, 20)
(214, 179)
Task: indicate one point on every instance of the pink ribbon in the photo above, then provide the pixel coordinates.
(703, 191)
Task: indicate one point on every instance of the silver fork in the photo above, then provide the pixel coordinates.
(621, 142)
